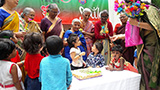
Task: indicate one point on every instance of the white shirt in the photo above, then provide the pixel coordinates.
(77, 63)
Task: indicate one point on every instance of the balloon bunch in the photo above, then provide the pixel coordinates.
(135, 10)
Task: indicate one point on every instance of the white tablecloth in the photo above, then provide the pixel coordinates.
(110, 80)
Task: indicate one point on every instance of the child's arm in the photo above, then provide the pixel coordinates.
(76, 57)
(15, 78)
(21, 63)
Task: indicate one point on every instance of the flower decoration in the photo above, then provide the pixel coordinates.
(135, 10)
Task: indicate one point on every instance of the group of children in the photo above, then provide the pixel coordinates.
(53, 70)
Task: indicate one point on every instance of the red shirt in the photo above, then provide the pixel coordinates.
(16, 58)
(98, 28)
(32, 64)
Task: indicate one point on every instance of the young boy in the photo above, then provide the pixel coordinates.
(55, 71)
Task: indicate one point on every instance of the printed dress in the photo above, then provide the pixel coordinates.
(127, 65)
(6, 81)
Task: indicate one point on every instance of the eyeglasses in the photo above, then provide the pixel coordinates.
(104, 16)
(122, 17)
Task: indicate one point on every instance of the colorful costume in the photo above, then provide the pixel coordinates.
(89, 27)
(101, 35)
(127, 65)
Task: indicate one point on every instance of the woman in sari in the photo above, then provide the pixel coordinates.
(30, 25)
(74, 29)
(121, 30)
(51, 24)
(149, 52)
(103, 30)
(87, 29)
(9, 18)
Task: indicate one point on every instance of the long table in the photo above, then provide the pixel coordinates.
(110, 80)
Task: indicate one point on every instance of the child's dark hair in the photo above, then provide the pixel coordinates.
(6, 48)
(72, 38)
(99, 46)
(117, 48)
(6, 34)
(54, 44)
(32, 42)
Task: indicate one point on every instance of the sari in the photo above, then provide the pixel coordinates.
(11, 22)
(50, 28)
(32, 27)
(149, 53)
(104, 39)
(89, 27)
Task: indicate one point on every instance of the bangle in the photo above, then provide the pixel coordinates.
(22, 62)
(138, 24)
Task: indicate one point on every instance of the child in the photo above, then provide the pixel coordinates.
(95, 59)
(10, 35)
(118, 63)
(10, 74)
(32, 44)
(75, 52)
(55, 72)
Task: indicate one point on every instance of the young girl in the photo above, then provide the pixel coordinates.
(75, 53)
(32, 44)
(118, 63)
(95, 59)
(10, 35)
(10, 74)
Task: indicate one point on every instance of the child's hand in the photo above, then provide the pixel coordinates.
(69, 87)
(84, 64)
(97, 66)
(82, 53)
(89, 67)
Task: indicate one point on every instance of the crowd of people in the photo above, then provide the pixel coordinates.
(41, 57)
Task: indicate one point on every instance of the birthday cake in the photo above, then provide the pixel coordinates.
(86, 73)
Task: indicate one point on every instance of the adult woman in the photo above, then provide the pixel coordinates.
(88, 29)
(121, 30)
(9, 18)
(51, 24)
(104, 29)
(74, 29)
(148, 52)
(30, 25)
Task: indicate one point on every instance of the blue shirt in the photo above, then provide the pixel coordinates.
(93, 61)
(82, 48)
(55, 73)
(3, 16)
